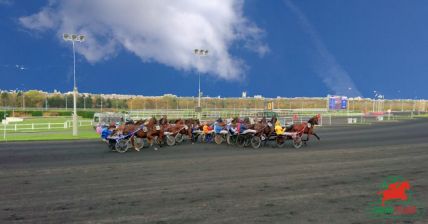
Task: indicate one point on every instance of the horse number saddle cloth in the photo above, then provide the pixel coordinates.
(157, 127)
(249, 131)
(145, 129)
(223, 132)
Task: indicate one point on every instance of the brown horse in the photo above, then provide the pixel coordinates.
(147, 129)
(307, 127)
(265, 128)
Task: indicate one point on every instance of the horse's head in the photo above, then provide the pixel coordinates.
(139, 122)
(273, 119)
(235, 120)
(246, 120)
(314, 120)
(151, 122)
(163, 120)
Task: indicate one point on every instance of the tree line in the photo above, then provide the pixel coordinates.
(39, 99)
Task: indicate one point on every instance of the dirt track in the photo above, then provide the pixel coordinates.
(331, 181)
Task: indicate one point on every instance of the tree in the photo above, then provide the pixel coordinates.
(34, 98)
(89, 102)
(56, 101)
(4, 97)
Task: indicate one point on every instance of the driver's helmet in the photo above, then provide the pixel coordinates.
(219, 120)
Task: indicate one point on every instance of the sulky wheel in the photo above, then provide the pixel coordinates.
(218, 139)
(229, 139)
(179, 138)
(111, 146)
(247, 141)
(170, 140)
(138, 143)
(201, 138)
(240, 141)
(280, 141)
(122, 145)
(256, 141)
(297, 142)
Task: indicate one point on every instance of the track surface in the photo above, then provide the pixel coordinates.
(331, 181)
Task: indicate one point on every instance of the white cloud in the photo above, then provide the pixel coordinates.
(334, 76)
(40, 21)
(163, 31)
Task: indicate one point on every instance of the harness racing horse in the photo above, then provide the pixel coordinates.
(147, 129)
(265, 128)
(307, 127)
(177, 129)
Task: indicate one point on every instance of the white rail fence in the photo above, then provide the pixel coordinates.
(213, 114)
(42, 126)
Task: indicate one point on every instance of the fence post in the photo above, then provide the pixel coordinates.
(4, 131)
(49, 126)
(65, 124)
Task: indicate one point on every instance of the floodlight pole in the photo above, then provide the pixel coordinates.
(200, 53)
(75, 129)
(199, 90)
(73, 38)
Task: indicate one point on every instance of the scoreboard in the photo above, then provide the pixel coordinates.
(337, 102)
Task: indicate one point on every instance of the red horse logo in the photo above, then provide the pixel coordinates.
(395, 191)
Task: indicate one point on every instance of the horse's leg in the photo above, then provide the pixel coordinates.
(315, 134)
(133, 145)
(160, 139)
(150, 140)
(307, 138)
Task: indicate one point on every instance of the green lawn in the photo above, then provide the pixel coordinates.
(47, 120)
(63, 134)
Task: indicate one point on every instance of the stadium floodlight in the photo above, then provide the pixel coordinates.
(199, 53)
(74, 38)
(66, 36)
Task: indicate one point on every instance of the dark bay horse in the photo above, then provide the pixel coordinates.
(265, 128)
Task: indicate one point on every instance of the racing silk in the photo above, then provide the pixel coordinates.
(206, 129)
(217, 128)
(105, 133)
(231, 128)
(240, 127)
(279, 130)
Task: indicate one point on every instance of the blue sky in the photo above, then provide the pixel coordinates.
(273, 48)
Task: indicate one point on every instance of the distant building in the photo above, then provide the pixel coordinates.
(258, 97)
(244, 94)
(169, 95)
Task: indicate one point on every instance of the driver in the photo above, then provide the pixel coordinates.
(218, 125)
(279, 130)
